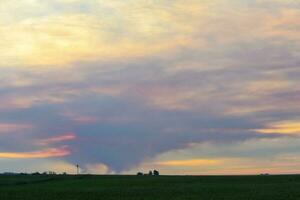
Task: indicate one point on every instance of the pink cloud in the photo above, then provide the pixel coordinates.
(81, 119)
(9, 128)
(57, 139)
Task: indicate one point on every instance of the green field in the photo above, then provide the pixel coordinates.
(39, 187)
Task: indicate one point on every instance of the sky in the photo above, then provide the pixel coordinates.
(119, 86)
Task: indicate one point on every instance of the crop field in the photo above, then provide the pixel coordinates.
(63, 187)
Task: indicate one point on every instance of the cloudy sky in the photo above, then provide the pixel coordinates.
(120, 86)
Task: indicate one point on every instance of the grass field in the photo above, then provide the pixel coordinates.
(41, 187)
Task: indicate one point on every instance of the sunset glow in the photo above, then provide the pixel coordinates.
(119, 86)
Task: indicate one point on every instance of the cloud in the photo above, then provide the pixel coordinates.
(97, 169)
(6, 128)
(285, 127)
(274, 156)
(138, 79)
(57, 139)
(63, 38)
(48, 153)
(187, 163)
(32, 165)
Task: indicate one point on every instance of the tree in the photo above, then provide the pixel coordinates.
(140, 174)
(156, 173)
(150, 173)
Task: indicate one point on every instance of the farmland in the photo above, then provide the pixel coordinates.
(90, 187)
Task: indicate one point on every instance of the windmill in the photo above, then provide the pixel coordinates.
(77, 166)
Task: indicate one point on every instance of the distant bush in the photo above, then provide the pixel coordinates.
(52, 173)
(140, 174)
(150, 173)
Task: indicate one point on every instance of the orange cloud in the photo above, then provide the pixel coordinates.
(188, 163)
(48, 153)
(62, 39)
(286, 127)
(284, 25)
